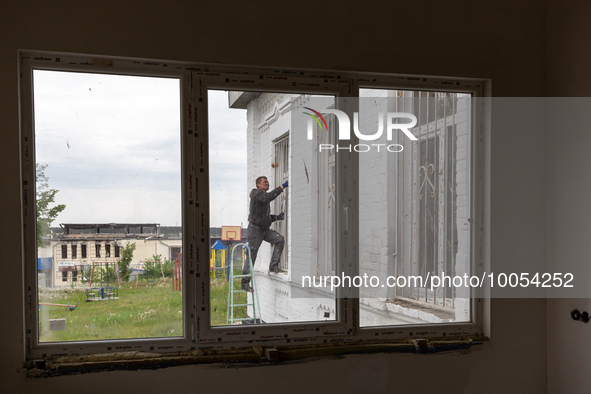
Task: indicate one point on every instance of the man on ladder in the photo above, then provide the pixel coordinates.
(259, 221)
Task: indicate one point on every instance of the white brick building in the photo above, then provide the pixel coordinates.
(414, 214)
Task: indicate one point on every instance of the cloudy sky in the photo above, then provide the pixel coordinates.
(227, 158)
(112, 146)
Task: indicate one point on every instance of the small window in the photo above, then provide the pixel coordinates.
(97, 249)
(74, 276)
(74, 251)
(107, 250)
(83, 251)
(64, 251)
(64, 276)
(117, 247)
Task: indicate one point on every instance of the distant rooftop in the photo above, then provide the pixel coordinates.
(125, 230)
(111, 228)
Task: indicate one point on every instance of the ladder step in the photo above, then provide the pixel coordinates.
(233, 268)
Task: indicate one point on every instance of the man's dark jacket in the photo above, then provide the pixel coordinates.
(260, 207)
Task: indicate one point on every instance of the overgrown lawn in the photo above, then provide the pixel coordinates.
(144, 312)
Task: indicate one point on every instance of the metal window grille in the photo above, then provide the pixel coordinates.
(281, 164)
(428, 192)
(326, 202)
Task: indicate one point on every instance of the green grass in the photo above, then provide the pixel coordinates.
(143, 312)
(219, 301)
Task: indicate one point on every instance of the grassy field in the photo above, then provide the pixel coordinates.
(144, 312)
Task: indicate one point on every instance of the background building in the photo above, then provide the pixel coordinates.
(78, 247)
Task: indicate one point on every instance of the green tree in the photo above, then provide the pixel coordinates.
(46, 212)
(167, 267)
(125, 261)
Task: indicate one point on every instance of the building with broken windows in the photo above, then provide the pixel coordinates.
(80, 248)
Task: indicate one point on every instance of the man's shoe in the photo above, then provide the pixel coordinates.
(274, 268)
(246, 287)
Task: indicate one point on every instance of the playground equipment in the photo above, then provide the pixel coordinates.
(177, 273)
(104, 292)
(217, 264)
(71, 308)
(149, 267)
(100, 264)
(254, 304)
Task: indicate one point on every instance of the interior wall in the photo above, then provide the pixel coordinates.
(568, 62)
(503, 41)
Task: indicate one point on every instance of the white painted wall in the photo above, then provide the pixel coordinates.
(276, 295)
(380, 171)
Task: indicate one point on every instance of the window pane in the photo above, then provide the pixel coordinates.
(251, 136)
(415, 209)
(108, 173)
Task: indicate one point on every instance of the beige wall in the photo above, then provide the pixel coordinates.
(144, 250)
(568, 188)
(501, 40)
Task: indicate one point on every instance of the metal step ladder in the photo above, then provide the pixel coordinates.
(254, 304)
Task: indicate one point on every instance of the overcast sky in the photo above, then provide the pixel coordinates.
(227, 157)
(112, 146)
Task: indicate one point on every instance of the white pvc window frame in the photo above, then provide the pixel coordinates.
(196, 80)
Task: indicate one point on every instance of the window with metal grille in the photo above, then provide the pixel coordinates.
(281, 174)
(326, 201)
(424, 200)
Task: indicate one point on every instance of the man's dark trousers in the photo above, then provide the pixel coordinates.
(256, 236)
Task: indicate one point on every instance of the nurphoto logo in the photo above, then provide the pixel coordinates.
(345, 129)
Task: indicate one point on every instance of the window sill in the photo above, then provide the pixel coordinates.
(252, 356)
